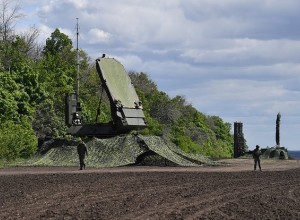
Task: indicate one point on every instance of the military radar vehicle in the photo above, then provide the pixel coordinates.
(126, 108)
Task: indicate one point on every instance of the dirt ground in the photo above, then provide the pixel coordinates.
(230, 191)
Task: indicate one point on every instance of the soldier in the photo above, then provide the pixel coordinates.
(82, 151)
(256, 154)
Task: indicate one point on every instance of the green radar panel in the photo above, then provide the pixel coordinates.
(125, 105)
(113, 74)
(126, 108)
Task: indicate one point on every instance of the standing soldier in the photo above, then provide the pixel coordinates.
(82, 151)
(256, 154)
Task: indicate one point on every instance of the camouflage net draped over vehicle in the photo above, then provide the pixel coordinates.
(271, 153)
(276, 153)
(123, 150)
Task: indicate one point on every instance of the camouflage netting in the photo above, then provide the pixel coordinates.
(171, 152)
(121, 151)
(271, 153)
(276, 153)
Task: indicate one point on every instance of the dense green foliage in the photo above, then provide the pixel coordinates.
(17, 140)
(35, 79)
(175, 119)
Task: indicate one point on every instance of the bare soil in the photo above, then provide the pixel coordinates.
(230, 191)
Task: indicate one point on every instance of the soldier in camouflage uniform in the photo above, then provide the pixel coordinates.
(82, 151)
(256, 154)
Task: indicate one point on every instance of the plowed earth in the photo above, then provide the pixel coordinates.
(231, 191)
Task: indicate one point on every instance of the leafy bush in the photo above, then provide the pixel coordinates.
(17, 140)
(187, 145)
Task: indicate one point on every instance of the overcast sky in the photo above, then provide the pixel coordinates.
(238, 59)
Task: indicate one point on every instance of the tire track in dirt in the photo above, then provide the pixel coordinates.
(232, 199)
(253, 195)
(191, 205)
(211, 202)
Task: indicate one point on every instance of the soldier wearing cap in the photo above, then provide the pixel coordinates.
(256, 154)
(82, 151)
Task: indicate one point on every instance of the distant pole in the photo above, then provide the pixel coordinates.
(278, 129)
(77, 50)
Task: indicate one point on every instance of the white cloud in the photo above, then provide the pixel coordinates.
(44, 33)
(246, 51)
(95, 36)
(79, 4)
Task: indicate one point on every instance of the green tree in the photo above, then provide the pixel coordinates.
(57, 70)
(8, 103)
(17, 140)
(20, 90)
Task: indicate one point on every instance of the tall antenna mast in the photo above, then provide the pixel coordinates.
(77, 49)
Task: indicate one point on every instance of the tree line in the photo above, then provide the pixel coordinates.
(35, 78)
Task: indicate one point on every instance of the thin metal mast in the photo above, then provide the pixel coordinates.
(77, 49)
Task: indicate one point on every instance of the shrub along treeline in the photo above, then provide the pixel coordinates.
(34, 80)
